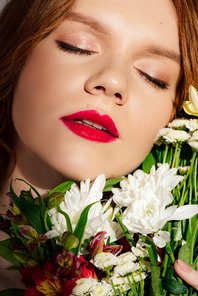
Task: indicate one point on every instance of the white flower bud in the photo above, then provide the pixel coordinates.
(126, 267)
(104, 260)
(125, 257)
(83, 286)
(140, 252)
(175, 136)
(179, 123)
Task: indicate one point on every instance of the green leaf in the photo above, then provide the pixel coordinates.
(31, 211)
(34, 189)
(148, 163)
(173, 286)
(156, 281)
(15, 292)
(80, 227)
(18, 234)
(151, 249)
(125, 230)
(184, 253)
(6, 252)
(68, 221)
(111, 182)
(62, 188)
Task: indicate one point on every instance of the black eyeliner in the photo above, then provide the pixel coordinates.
(72, 49)
(157, 83)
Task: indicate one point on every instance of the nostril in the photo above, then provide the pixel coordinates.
(100, 88)
(117, 95)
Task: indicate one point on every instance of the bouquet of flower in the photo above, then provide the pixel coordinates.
(112, 237)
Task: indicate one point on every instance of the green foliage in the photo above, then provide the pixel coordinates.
(6, 251)
(151, 249)
(80, 227)
(31, 211)
(110, 183)
(173, 286)
(156, 281)
(62, 188)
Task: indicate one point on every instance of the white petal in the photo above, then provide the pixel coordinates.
(193, 96)
(98, 184)
(161, 238)
(184, 212)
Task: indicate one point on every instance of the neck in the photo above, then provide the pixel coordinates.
(35, 172)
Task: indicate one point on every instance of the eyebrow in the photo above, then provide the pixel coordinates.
(78, 17)
(161, 51)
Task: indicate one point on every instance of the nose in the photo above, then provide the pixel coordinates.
(109, 79)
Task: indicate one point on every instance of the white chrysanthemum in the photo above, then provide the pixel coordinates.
(140, 252)
(76, 199)
(120, 283)
(193, 145)
(192, 125)
(132, 187)
(194, 136)
(179, 123)
(125, 257)
(101, 289)
(175, 136)
(126, 268)
(136, 276)
(146, 266)
(83, 286)
(159, 139)
(104, 260)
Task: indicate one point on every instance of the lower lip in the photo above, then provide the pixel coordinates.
(88, 133)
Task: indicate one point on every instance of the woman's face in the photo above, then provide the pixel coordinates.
(114, 58)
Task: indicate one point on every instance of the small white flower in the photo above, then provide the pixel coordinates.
(159, 139)
(83, 286)
(161, 238)
(179, 123)
(193, 145)
(194, 136)
(101, 289)
(104, 260)
(192, 125)
(137, 277)
(121, 283)
(125, 257)
(183, 170)
(175, 136)
(140, 252)
(126, 267)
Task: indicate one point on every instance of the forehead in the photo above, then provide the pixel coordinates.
(151, 20)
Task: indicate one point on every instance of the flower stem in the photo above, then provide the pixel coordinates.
(165, 152)
(195, 180)
(193, 241)
(175, 155)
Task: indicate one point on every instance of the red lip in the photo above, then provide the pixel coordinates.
(73, 123)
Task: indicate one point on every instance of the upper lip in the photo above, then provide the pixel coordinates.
(94, 116)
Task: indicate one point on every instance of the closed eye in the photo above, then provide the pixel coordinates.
(72, 49)
(158, 84)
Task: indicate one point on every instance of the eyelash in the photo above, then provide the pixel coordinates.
(72, 49)
(158, 84)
